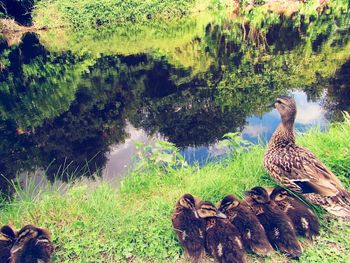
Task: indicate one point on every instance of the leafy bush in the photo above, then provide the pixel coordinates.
(93, 13)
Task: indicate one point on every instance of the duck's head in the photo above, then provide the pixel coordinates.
(258, 194)
(228, 202)
(31, 235)
(208, 210)
(189, 201)
(287, 108)
(279, 194)
(7, 233)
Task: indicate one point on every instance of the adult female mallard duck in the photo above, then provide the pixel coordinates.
(223, 240)
(252, 232)
(304, 220)
(33, 245)
(7, 239)
(279, 228)
(299, 169)
(189, 227)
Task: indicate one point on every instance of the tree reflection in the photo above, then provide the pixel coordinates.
(338, 94)
(62, 110)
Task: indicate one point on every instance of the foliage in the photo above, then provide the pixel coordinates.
(91, 13)
(39, 87)
(20, 10)
(105, 225)
(69, 95)
(280, 56)
(235, 143)
(162, 156)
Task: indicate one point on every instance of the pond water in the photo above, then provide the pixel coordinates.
(73, 103)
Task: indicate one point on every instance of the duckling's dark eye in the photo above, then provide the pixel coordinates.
(279, 101)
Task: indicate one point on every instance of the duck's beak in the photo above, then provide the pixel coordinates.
(221, 215)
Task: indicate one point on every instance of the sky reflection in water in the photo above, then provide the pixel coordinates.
(257, 130)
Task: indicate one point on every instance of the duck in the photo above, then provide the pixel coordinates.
(252, 232)
(33, 245)
(7, 239)
(223, 240)
(189, 227)
(298, 169)
(278, 226)
(304, 220)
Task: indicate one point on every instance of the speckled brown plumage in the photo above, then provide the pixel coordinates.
(223, 240)
(33, 244)
(7, 239)
(304, 220)
(252, 232)
(189, 227)
(278, 227)
(299, 169)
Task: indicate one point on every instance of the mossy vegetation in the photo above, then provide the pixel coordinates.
(101, 224)
(91, 13)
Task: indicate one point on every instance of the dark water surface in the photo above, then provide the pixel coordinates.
(73, 103)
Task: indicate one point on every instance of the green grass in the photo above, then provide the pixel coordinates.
(94, 13)
(87, 14)
(92, 223)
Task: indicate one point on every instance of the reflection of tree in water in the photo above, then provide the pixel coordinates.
(76, 142)
(188, 117)
(181, 109)
(34, 84)
(17, 153)
(338, 93)
(79, 138)
(80, 110)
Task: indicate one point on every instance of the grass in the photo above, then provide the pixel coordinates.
(101, 224)
(87, 14)
(95, 13)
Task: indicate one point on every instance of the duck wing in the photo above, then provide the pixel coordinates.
(311, 175)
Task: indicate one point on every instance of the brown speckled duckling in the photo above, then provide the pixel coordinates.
(278, 227)
(189, 227)
(304, 220)
(7, 239)
(299, 169)
(223, 240)
(252, 232)
(33, 245)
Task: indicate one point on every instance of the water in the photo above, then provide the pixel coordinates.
(73, 103)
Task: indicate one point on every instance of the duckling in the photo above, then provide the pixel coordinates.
(223, 240)
(7, 239)
(304, 220)
(252, 232)
(33, 244)
(278, 226)
(299, 169)
(189, 227)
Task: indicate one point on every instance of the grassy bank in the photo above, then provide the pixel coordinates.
(101, 224)
(92, 13)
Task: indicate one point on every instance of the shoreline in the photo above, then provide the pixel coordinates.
(132, 223)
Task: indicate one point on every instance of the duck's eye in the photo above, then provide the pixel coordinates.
(227, 204)
(279, 101)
